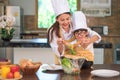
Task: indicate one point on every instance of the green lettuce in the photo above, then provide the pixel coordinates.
(66, 63)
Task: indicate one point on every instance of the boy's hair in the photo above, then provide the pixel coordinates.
(80, 30)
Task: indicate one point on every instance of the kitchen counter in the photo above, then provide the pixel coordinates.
(36, 49)
(42, 42)
(84, 74)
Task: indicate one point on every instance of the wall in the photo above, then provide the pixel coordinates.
(113, 23)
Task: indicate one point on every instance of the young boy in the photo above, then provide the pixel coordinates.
(76, 48)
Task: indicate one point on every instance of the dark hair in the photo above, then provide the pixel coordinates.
(82, 29)
(54, 29)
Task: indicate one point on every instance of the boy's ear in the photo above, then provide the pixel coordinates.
(87, 33)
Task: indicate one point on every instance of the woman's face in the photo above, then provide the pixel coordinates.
(64, 20)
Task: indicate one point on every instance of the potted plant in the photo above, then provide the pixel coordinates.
(6, 25)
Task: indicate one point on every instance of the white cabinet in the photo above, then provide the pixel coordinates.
(6, 52)
(44, 55)
(96, 8)
(98, 55)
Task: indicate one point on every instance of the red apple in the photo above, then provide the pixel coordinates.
(14, 68)
(10, 75)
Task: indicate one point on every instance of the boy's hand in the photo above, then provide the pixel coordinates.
(85, 42)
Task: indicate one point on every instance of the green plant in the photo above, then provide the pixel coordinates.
(6, 26)
(7, 33)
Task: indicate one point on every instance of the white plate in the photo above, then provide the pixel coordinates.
(105, 73)
(51, 67)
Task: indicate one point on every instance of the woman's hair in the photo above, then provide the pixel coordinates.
(54, 29)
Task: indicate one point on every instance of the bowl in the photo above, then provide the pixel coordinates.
(28, 66)
(72, 66)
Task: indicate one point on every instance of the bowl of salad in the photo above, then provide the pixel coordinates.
(72, 66)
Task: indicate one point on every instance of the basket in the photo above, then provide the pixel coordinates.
(5, 62)
(30, 70)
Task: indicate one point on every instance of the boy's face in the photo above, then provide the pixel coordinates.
(80, 34)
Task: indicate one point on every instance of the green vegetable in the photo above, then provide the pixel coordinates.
(66, 63)
(72, 51)
(71, 48)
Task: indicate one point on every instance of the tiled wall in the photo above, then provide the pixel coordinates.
(113, 23)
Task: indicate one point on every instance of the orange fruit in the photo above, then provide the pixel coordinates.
(17, 74)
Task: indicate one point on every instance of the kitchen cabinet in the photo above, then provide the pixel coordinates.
(99, 56)
(96, 8)
(45, 55)
(6, 52)
(2, 53)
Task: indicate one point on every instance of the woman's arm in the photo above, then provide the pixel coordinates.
(94, 36)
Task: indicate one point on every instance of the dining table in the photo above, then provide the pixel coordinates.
(85, 74)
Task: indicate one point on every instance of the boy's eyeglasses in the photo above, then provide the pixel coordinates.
(80, 32)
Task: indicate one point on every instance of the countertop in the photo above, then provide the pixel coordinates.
(84, 74)
(42, 42)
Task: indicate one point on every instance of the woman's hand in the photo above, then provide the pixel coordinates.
(60, 45)
(60, 41)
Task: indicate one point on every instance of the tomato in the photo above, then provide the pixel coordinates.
(10, 75)
(14, 68)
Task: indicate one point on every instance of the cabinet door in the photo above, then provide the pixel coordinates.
(98, 56)
(2, 53)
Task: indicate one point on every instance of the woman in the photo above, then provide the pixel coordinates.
(62, 28)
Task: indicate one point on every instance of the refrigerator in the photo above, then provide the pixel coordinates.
(17, 12)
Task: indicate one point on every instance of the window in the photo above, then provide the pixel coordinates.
(45, 13)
